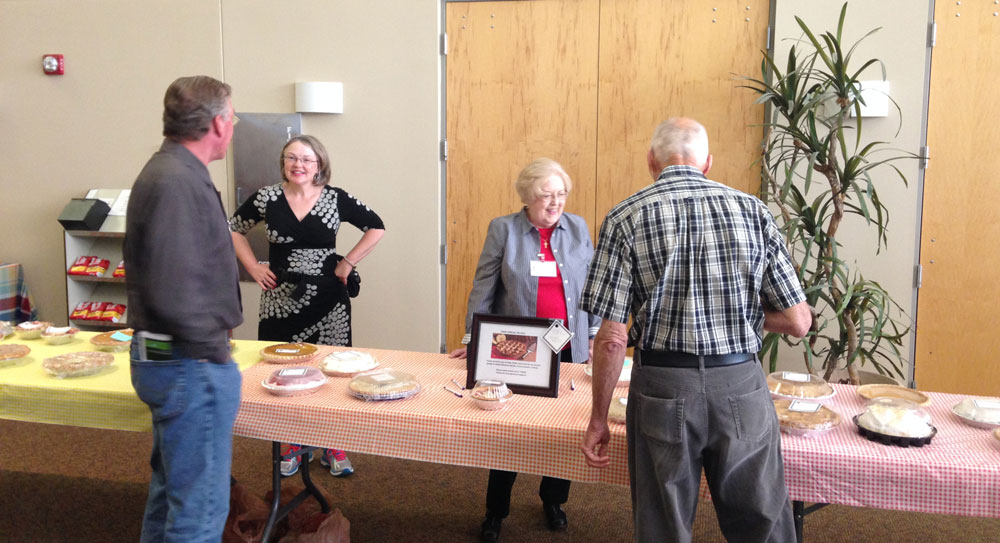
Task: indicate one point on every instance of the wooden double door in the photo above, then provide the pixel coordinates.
(585, 82)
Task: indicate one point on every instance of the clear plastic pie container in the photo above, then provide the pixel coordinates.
(895, 421)
(491, 395)
(347, 363)
(6, 329)
(11, 353)
(77, 364)
(616, 410)
(385, 384)
(805, 418)
(59, 335)
(31, 329)
(623, 379)
(294, 381)
(979, 412)
(790, 385)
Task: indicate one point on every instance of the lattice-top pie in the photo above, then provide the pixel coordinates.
(511, 348)
(287, 353)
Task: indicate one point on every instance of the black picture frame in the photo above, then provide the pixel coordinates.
(486, 365)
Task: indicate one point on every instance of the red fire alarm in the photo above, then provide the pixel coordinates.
(53, 65)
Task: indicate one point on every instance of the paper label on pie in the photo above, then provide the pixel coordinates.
(987, 404)
(803, 407)
(795, 376)
(381, 377)
(291, 351)
(347, 355)
(623, 401)
(119, 336)
(293, 371)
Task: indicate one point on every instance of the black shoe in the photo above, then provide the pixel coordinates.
(489, 531)
(555, 516)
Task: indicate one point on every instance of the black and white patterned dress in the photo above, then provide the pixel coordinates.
(313, 307)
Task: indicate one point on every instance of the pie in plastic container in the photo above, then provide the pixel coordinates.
(294, 381)
(289, 353)
(979, 412)
(805, 418)
(623, 379)
(872, 391)
(77, 364)
(789, 385)
(894, 421)
(108, 341)
(386, 384)
(616, 411)
(11, 353)
(347, 363)
(31, 329)
(996, 434)
(491, 395)
(59, 336)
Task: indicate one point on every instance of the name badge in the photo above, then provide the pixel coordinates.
(543, 269)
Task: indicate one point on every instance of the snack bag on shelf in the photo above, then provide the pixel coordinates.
(79, 266)
(113, 312)
(96, 310)
(98, 266)
(80, 312)
(119, 270)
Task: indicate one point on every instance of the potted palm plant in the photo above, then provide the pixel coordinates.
(817, 170)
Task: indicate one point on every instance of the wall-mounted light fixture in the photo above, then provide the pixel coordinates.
(876, 96)
(319, 97)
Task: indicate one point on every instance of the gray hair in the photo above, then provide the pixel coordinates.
(537, 173)
(190, 104)
(680, 137)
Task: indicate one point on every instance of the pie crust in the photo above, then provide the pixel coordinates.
(384, 385)
(13, 351)
(798, 386)
(77, 364)
(803, 423)
(289, 353)
(872, 391)
(616, 410)
(105, 342)
(31, 329)
(58, 336)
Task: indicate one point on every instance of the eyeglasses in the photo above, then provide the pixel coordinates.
(235, 119)
(292, 159)
(549, 196)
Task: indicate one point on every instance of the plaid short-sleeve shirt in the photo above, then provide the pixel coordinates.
(691, 260)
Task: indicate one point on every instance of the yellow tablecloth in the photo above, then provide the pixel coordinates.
(104, 400)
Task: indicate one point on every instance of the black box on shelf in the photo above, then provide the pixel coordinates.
(84, 214)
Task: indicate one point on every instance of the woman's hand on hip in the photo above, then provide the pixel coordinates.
(343, 270)
(263, 275)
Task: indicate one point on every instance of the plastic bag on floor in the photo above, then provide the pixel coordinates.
(247, 516)
(322, 528)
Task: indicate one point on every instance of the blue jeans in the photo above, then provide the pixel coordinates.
(194, 404)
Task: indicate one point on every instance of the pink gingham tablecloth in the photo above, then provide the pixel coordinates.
(533, 435)
(958, 473)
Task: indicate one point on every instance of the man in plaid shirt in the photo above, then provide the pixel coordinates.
(702, 269)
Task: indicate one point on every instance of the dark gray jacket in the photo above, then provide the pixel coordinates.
(180, 264)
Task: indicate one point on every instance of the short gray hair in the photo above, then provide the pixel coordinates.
(680, 136)
(535, 174)
(190, 104)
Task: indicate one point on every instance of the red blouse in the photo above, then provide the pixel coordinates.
(551, 301)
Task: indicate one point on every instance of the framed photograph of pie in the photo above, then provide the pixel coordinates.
(511, 350)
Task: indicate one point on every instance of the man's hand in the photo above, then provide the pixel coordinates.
(595, 444)
(458, 353)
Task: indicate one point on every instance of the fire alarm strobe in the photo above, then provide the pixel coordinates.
(53, 65)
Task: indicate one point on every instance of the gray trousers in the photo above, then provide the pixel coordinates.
(681, 420)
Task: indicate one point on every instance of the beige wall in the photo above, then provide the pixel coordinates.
(97, 125)
(901, 45)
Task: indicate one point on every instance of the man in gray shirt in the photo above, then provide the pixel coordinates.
(183, 298)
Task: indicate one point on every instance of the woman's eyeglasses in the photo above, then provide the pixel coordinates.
(292, 159)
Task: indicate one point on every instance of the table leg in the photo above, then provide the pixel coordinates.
(278, 512)
(799, 512)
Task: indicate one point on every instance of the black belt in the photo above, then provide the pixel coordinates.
(677, 359)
